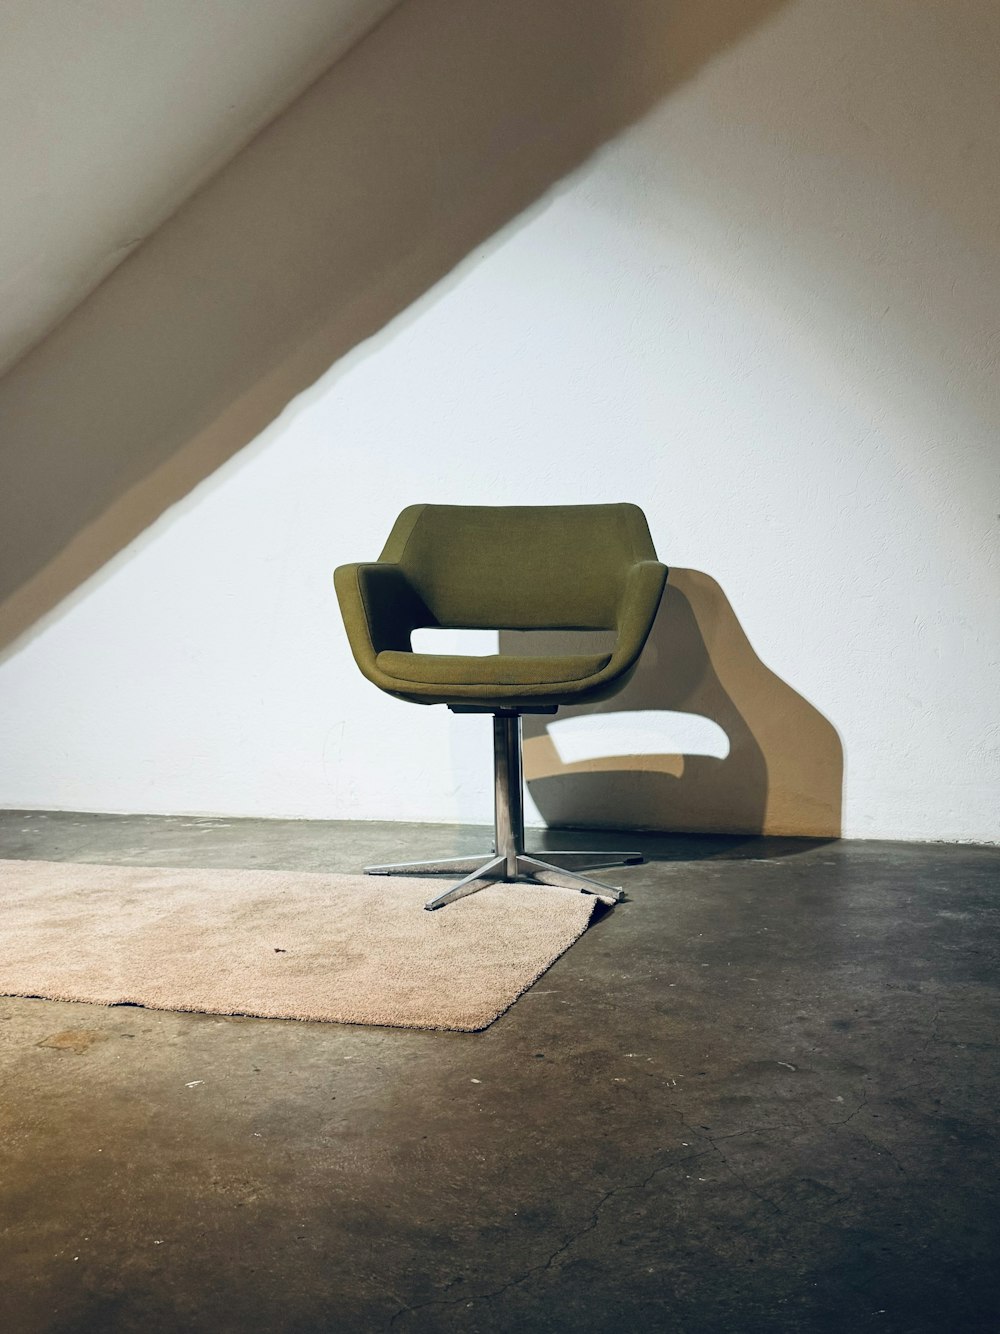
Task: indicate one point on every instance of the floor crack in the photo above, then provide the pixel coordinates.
(861, 1104)
(592, 1221)
(932, 1035)
(550, 1259)
(704, 1134)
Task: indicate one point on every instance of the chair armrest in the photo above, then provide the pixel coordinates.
(380, 609)
(637, 608)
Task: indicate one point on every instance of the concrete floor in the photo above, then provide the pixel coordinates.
(759, 1096)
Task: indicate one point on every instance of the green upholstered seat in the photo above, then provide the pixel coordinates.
(496, 669)
(517, 567)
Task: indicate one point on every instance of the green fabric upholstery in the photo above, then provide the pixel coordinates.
(497, 669)
(518, 567)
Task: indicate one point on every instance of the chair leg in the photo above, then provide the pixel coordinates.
(582, 861)
(442, 866)
(492, 870)
(565, 861)
(560, 878)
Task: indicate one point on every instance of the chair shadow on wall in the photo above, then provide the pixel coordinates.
(782, 775)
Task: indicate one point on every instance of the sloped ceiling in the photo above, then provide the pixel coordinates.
(112, 112)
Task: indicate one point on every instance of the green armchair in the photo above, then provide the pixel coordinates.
(519, 567)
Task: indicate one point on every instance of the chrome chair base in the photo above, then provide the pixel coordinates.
(527, 867)
(509, 861)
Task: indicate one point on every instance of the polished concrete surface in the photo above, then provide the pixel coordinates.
(760, 1095)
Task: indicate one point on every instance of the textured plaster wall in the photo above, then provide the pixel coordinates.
(768, 314)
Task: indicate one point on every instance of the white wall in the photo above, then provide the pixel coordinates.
(767, 314)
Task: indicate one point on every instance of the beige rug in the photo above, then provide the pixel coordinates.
(278, 944)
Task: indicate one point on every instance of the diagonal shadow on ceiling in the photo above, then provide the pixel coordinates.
(438, 128)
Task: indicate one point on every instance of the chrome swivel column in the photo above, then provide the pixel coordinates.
(508, 788)
(509, 861)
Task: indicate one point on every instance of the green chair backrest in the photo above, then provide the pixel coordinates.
(520, 567)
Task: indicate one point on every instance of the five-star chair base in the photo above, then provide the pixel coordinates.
(478, 872)
(509, 861)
